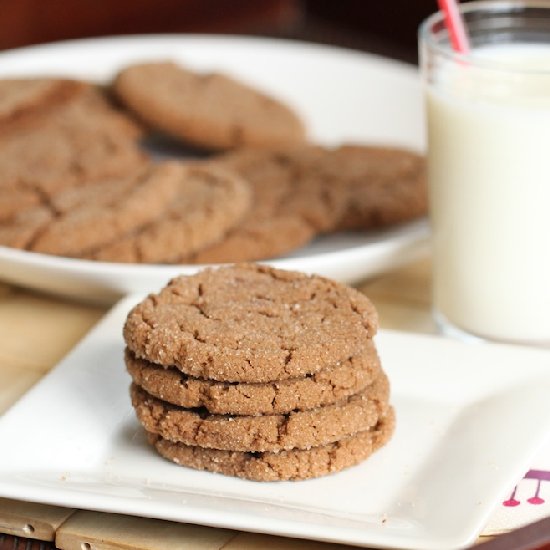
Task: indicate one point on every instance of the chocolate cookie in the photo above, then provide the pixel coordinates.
(291, 465)
(207, 204)
(90, 216)
(290, 207)
(296, 430)
(250, 323)
(210, 110)
(296, 394)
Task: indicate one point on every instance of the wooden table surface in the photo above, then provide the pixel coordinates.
(36, 331)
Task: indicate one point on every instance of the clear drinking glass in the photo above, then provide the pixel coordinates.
(488, 122)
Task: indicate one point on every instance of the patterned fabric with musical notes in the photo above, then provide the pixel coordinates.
(528, 501)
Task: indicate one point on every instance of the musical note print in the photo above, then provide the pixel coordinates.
(536, 499)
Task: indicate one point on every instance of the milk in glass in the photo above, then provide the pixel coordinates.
(489, 174)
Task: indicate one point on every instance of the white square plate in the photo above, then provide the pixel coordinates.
(464, 436)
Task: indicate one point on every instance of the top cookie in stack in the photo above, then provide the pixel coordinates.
(258, 373)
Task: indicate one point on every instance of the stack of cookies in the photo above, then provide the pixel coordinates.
(258, 373)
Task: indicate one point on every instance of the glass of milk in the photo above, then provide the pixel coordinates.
(488, 122)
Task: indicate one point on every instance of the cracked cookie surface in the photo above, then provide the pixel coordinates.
(289, 207)
(20, 97)
(207, 204)
(79, 142)
(296, 430)
(291, 465)
(82, 218)
(295, 394)
(250, 323)
(381, 185)
(210, 110)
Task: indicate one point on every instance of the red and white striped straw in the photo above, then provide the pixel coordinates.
(455, 25)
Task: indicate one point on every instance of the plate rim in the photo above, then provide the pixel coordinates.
(209, 37)
(416, 231)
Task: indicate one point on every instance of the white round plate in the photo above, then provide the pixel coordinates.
(342, 96)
